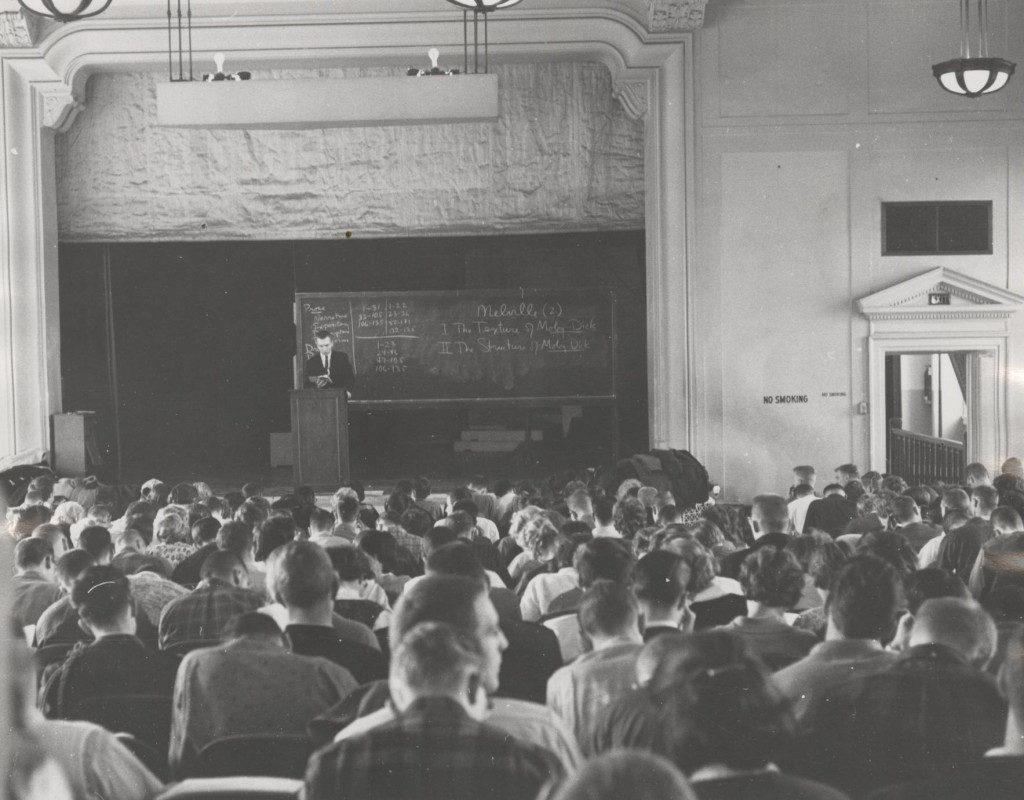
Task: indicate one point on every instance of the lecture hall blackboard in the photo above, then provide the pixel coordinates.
(469, 345)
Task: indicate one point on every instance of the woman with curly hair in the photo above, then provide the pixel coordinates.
(772, 581)
(628, 517)
(714, 600)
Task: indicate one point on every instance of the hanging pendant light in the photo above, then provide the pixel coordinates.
(479, 8)
(64, 10)
(975, 73)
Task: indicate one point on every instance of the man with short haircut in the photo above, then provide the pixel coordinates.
(58, 624)
(485, 527)
(346, 516)
(909, 523)
(862, 608)
(532, 654)
(22, 521)
(581, 506)
(96, 540)
(846, 473)
(438, 746)
(830, 513)
(1000, 561)
(976, 474)
(303, 580)
(463, 604)
(802, 495)
(238, 538)
(321, 529)
(609, 620)
(222, 593)
(931, 713)
(769, 522)
(960, 547)
(659, 581)
(55, 536)
(598, 559)
(604, 515)
(998, 776)
(116, 662)
(34, 585)
(204, 538)
(249, 684)
(464, 525)
(328, 368)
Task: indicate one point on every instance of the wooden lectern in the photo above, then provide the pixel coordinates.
(320, 437)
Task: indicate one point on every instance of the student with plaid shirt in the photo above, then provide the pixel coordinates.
(437, 746)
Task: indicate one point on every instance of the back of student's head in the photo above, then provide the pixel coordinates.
(607, 609)
(986, 498)
(956, 500)
(447, 599)
(205, 531)
(272, 534)
(436, 659)
(962, 625)
(819, 556)
(182, 494)
(300, 574)
(235, 537)
(905, 509)
(772, 576)
(462, 522)
(72, 564)
(101, 594)
(27, 518)
(96, 540)
(570, 540)
(771, 512)
(252, 489)
(604, 510)
(891, 547)
(1006, 520)
(604, 558)
(350, 563)
(458, 559)
(634, 774)
(804, 473)
(252, 513)
(223, 565)
(930, 584)
(32, 552)
(348, 509)
(661, 578)
(416, 521)
(977, 473)
(421, 487)
(438, 536)
(865, 599)
(724, 711)
(320, 521)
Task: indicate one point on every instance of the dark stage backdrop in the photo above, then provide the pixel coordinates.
(185, 349)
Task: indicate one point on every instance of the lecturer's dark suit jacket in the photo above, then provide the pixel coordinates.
(342, 376)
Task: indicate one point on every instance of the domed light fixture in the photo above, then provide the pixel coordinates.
(64, 10)
(479, 8)
(974, 73)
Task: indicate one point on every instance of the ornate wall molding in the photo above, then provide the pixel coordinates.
(18, 30)
(634, 95)
(59, 107)
(675, 15)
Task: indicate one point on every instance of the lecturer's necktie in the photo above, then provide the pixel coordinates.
(327, 365)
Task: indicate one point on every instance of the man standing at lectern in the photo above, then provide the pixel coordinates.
(329, 369)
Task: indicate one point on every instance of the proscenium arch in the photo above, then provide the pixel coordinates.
(652, 75)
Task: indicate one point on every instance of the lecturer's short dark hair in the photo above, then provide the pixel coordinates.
(324, 334)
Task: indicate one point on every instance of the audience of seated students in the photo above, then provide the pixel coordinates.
(223, 592)
(437, 746)
(303, 580)
(863, 604)
(116, 662)
(876, 701)
(1000, 561)
(609, 622)
(34, 586)
(223, 690)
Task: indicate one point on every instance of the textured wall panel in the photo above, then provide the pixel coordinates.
(562, 156)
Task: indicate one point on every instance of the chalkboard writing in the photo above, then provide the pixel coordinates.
(437, 346)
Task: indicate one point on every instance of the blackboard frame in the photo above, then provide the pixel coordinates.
(461, 402)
